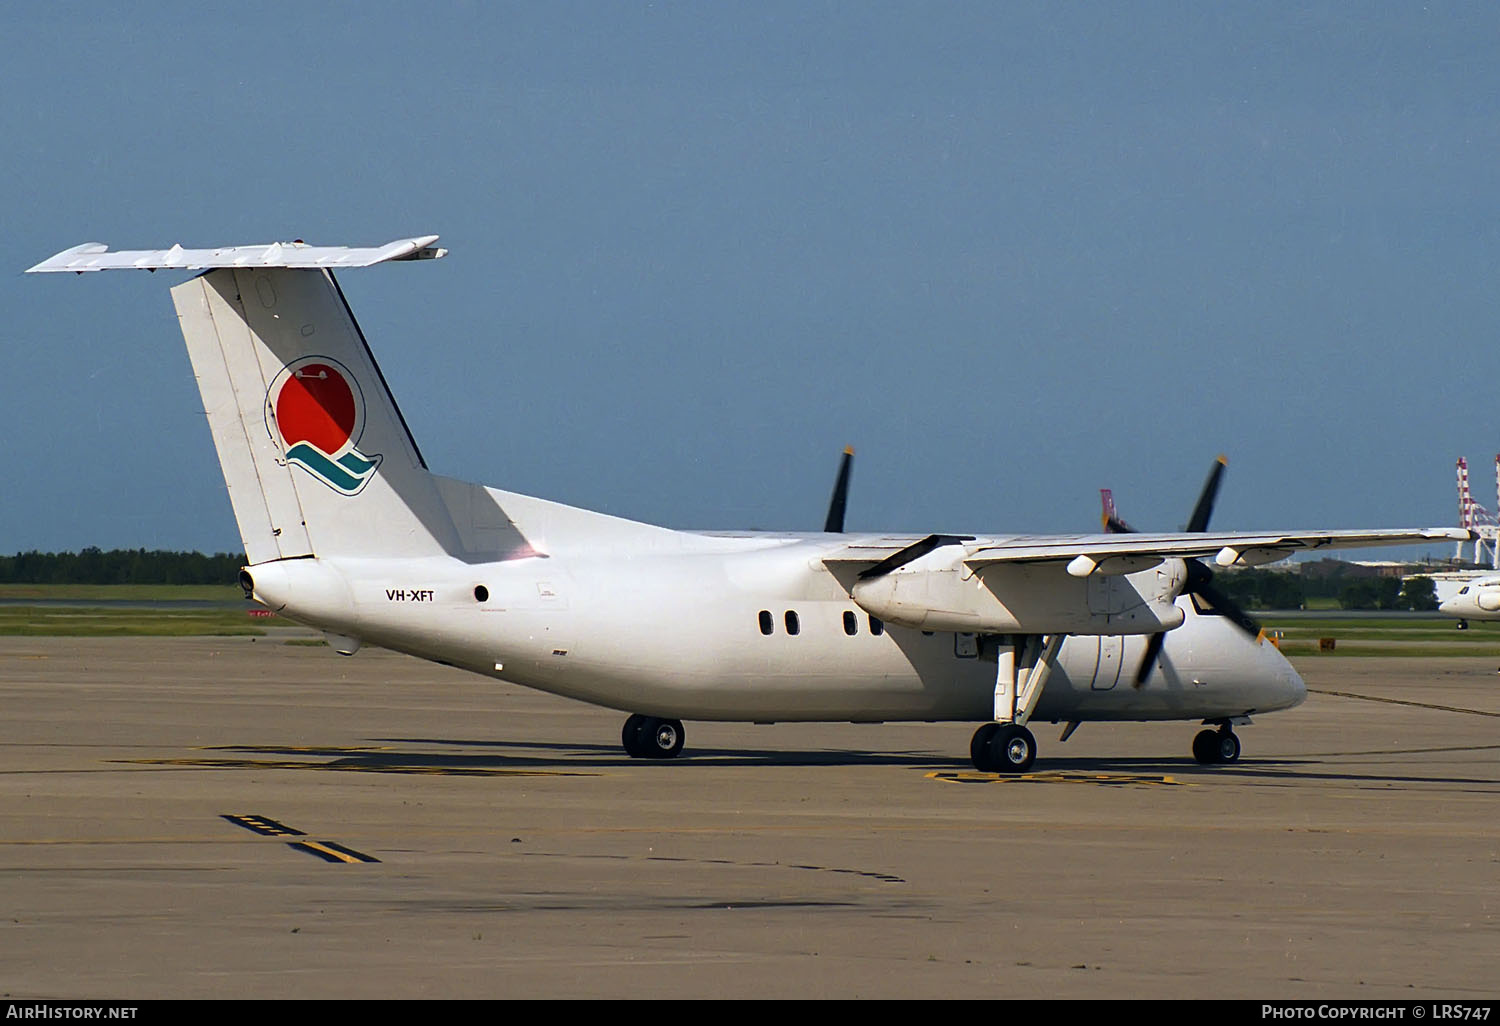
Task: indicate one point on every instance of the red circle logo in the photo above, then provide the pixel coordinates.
(317, 405)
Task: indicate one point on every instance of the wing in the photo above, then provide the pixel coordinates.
(1228, 548)
(880, 555)
(1078, 584)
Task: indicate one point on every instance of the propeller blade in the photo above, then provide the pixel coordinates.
(1227, 608)
(1199, 577)
(834, 522)
(916, 550)
(1148, 661)
(1198, 522)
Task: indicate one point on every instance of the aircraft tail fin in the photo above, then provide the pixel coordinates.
(315, 452)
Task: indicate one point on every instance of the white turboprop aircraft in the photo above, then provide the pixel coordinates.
(347, 531)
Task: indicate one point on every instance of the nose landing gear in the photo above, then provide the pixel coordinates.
(1216, 747)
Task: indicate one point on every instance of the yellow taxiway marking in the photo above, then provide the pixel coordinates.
(291, 749)
(265, 825)
(1057, 777)
(330, 852)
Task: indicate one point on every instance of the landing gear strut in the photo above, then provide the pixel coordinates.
(647, 737)
(1003, 748)
(1023, 663)
(1215, 747)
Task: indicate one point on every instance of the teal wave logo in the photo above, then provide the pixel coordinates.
(316, 413)
(349, 473)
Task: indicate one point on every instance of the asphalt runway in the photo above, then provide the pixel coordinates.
(192, 818)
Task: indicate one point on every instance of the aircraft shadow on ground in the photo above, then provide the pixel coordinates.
(1383, 767)
(584, 757)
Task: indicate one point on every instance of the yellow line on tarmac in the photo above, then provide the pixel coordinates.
(291, 749)
(1056, 777)
(330, 852)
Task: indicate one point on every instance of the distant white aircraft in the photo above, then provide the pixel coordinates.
(1478, 599)
(347, 531)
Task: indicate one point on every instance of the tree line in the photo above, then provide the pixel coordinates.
(1268, 589)
(120, 566)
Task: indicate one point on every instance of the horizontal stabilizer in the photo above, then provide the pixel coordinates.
(96, 256)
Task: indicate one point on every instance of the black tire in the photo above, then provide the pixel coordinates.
(630, 736)
(1012, 749)
(1206, 747)
(979, 747)
(1228, 744)
(661, 739)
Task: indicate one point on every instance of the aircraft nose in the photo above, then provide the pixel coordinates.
(1296, 686)
(1286, 688)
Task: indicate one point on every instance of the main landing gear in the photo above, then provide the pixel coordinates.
(646, 737)
(1216, 747)
(1023, 663)
(1011, 748)
(1003, 748)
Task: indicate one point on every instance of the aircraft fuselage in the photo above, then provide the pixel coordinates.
(757, 631)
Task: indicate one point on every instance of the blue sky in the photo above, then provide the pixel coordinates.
(1011, 252)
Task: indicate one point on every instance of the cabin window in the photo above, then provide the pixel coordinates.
(851, 624)
(767, 625)
(793, 626)
(481, 593)
(877, 626)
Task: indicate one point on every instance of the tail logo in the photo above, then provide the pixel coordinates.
(316, 413)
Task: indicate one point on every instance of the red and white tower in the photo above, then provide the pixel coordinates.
(1473, 516)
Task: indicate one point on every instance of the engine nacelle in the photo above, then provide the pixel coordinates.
(1026, 598)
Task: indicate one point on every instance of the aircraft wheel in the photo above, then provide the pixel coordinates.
(1228, 745)
(646, 737)
(979, 747)
(1206, 747)
(1012, 749)
(630, 736)
(661, 739)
